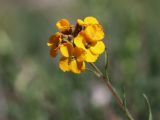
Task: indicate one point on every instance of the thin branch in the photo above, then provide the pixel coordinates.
(97, 69)
(113, 91)
(95, 72)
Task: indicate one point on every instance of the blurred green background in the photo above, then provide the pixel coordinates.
(32, 87)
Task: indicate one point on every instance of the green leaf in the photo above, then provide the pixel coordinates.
(106, 60)
(124, 99)
(149, 107)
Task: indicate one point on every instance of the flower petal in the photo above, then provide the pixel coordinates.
(90, 20)
(63, 25)
(53, 51)
(98, 48)
(80, 22)
(80, 54)
(66, 49)
(94, 32)
(54, 39)
(74, 67)
(78, 41)
(91, 57)
(81, 65)
(64, 64)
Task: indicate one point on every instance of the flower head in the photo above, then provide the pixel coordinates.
(92, 29)
(93, 49)
(63, 25)
(78, 44)
(90, 38)
(54, 42)
(72, 58)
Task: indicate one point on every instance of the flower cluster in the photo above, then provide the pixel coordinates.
(78, 44)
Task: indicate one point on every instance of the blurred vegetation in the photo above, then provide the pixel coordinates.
(33, 88)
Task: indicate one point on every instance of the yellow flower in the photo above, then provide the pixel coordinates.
(63, 25)
(72, 58)
(88, 21)
(93, 30)
(79, 44)
(93, 49)
(54, 42)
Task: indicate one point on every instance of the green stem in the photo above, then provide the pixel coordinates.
(113, 91)
(97, 69)
(95, 72)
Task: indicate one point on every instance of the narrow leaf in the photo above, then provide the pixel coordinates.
(124, 99)
(149, 107)
(106, 60)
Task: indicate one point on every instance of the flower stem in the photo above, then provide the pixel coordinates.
(97, 69)
(113, 91)
(117, 97)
